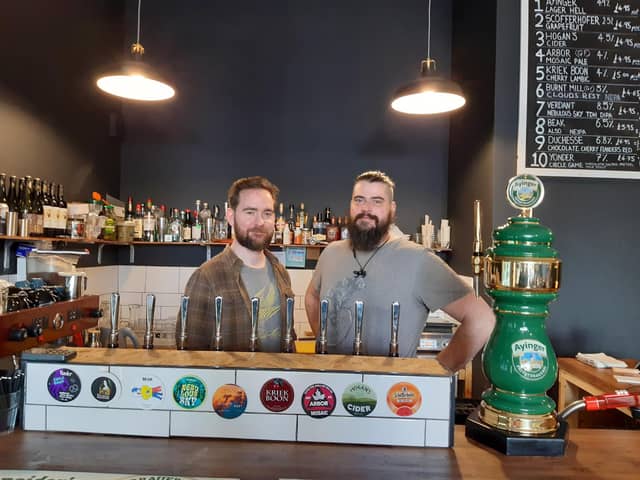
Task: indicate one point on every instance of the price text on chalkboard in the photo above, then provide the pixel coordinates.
(580, 88)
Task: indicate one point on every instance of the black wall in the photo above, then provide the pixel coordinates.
(53, 122)
(595, 229)
(296, 91)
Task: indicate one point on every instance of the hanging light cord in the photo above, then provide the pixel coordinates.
(139, 6)
(428, 30)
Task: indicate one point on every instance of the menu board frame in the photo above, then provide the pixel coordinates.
(524, 125)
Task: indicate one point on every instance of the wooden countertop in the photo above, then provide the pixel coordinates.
(601, 379)
(264, 361)
(590, 454)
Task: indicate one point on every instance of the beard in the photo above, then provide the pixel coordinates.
(367, 239)
(245, 239)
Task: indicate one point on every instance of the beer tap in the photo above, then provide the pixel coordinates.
(184, 308)
(115, 313)
(148, 330)
(218, 326)
(476, 256)
(255, 310)
(357, 339)
(288, 337)
(395, 322)
(321, 345)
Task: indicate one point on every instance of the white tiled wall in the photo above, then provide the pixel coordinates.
(167, 284)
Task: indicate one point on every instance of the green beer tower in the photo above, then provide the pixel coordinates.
(522, 275)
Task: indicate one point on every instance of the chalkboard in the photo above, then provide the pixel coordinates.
(580, 88)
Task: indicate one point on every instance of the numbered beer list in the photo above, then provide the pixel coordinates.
(580, 88)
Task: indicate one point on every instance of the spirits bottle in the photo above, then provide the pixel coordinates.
(148, 223)
(207, 222)
(38, 209)
(63, 212)
(196, 228)
(4, 206)
(186, 226)
(138, 220)
(175, 227)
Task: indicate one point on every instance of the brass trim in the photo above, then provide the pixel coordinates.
(513, 312)
(523, 424)
(520, 242)
(522, 274)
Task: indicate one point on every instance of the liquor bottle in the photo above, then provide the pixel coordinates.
(280, 223)
(138, 218)
(175, 226)
(207, 222)
(344, 228)
(38, 209)
(333, 231)
(286, 235)
(130, 211)
(148, 223)
(25, 209)
(12, 196)
(109, 227)
(55, 211)
(196, 227)
(4, 206)
(302, 217)
(291, 219)
(62, 208)
(46, 210)
(186, 226)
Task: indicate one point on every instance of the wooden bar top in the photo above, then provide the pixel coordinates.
(258, 360)
(601, 379)
(590, 454)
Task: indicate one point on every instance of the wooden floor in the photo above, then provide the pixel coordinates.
(597, 454)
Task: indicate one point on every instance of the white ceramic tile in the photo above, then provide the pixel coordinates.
(299, 302)
(166, 300)
(152, 423)
(102, 280)
(439, 434)
(249, 426)
(362, 430)
(300, 280)
(35, 417)
(163, 280)
(185, 274)
(130, 298)
(131, 278)
(168, 313)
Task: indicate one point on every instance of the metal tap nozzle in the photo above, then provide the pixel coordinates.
(321, 345)
(184, 309)
(357, 339)
(395, 322)
(218, 326)
(148, 330)
(255, 310)
(476, 256)
(115, 315)
(288, 337)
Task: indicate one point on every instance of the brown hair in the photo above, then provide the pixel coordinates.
(249, 183)
(374, 176)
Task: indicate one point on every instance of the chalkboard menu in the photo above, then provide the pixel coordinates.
(580, 88)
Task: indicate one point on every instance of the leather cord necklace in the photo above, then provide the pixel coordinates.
(362, 272)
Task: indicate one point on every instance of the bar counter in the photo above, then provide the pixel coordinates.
(590, 454)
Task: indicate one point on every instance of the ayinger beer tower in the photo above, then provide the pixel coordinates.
(522, 275)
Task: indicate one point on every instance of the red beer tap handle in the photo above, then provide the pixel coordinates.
(620, 399)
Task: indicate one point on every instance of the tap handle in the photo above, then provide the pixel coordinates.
(395, 323)
(218, 312)
(255, 310)
(148, 331)
(321, 346)
(184, 309)
(476, 256)
(115, 314)
(359, 324)
(288, 337)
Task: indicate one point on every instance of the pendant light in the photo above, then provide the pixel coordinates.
(430, 93)
(134, 79)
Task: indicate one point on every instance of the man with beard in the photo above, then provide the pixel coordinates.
(245, 269)
(379, 269)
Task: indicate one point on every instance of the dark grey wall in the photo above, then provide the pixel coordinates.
(296, 91)
(594, 225)
(53, 122)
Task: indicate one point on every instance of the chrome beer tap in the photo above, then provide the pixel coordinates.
(115, 314)
(148, 330)
(395, 322)
(288, 337)
(476, 256)
(218, 310)
(357, 339)
(184, 308)
(321, 345)
(255, 310)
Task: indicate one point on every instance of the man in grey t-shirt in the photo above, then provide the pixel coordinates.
(379, 269)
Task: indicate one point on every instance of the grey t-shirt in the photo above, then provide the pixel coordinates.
(261, 283)
(400, 271)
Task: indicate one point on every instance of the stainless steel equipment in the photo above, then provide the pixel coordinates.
(115, 314)
(218, 325)
(288, 334)
(395, 323)
(359, 324)
(75, 284)
(148, 330)
(255, 311)
(184, 308)
(321, 345)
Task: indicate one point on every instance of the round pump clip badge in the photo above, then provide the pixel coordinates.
(276, 395)
(105, 388)
(64, 385)
(229, 401)
(359, 399)
(189, 392)
(318, 400)
(404, 399)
